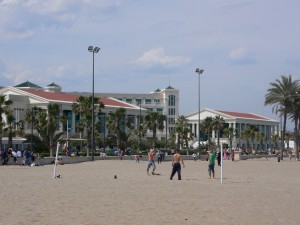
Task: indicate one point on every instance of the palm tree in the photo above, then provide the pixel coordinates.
(218, 124)
(13, 128)
(229, 133)
(279, 95)
(207, 126)
(140, 131)
(183, 131)
(261, 138)
(155, 121)
(116, 123)
(46, 124)
(4, 109)
(250, 133)
(288, 137)
(83, 107)
(294, 112)
(275, 139)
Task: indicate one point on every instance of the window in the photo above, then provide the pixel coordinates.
(156, 100)
(138, 101)
(171, 100)
(148, 101)
(129, 100)
(171, 111)
(159, 110)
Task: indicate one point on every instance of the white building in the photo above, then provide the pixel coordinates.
(27, 95)
(238, 121)
(165, 101)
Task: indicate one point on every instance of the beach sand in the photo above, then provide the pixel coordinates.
(256, 192)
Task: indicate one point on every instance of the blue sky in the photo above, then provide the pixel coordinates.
(242, 45)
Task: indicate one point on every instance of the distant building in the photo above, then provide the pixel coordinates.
(27, 95)
(165, 101)
(238, 121)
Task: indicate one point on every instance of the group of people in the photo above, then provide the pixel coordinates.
(27, 155)
(177, 161)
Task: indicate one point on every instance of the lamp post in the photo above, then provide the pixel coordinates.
(140, 125)
(199, 72)
(33, 110)
(93, 50)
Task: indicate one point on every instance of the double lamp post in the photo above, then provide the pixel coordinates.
(93, 50)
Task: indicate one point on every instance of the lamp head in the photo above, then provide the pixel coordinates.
(96, 49)
(200, 71)
(90, 48)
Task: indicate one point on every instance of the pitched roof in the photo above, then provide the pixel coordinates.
(169, 87)
(243, 115)
(65, 97)
(27, 84)
(54, 96)
(53, 85)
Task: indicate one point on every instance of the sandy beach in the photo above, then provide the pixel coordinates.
(253, 192)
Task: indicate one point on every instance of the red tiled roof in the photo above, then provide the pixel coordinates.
(112, 102)
(243, 115)
(54, 96)
(73, 98)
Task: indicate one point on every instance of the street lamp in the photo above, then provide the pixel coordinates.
(93, 50)
(199, 72)
(33, 110)
(140, 102)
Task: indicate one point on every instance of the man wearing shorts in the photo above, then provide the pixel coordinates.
(211, 164)
(151, 161)
(176, 165)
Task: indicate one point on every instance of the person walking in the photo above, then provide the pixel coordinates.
(211, 164)
(219, 157)
(151, 161)
(27, 156)
(176, 165)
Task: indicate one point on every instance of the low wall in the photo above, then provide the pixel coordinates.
(80, 159)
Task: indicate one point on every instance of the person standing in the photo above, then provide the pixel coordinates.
(159, 157)
(27, 156)
(176, 165)
(211, 164)
(219, 157)
(151, 161)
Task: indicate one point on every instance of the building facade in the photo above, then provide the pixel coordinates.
(239, 122)
(28, 95)
(165, 101)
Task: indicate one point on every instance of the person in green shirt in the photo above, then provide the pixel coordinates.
(211, 164)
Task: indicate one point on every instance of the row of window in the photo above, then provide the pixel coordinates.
(147, 101)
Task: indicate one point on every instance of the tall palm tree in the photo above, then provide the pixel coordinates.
(4, 109)
(184, 133)
(207, 126)
(140, 131)
(261, 138)
(84, 107)
(250, 133)
(279, 95)
(46, 123)
(155, 121)
(116, 123)
(294, 112)
(288, 137)
(218, 124)
(275, 139)
(229, 133)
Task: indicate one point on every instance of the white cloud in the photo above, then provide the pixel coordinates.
(158, 57)
(241, 56)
